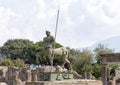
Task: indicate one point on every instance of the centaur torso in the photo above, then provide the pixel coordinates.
(48, 42)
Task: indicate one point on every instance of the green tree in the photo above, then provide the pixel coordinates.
(32, 53)
(8, 62)
(82, 60)
(19, 63)
(96, 70)
(101, 49)
(13, 48)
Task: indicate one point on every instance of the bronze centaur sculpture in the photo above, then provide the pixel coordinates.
(49, 51)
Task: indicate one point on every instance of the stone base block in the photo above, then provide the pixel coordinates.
(68, 82)
(56, 76)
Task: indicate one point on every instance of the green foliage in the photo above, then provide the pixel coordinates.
(19, 63)
(101, 49)
(31, 52)
(57, 45)
(8, 62)
(81, 60)
(13, 48)
(96, 70)
(112, 68)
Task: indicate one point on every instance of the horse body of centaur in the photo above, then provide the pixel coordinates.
(62, 52)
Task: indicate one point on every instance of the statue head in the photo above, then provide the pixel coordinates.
(47, 33)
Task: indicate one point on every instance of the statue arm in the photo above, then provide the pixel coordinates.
(52, 39)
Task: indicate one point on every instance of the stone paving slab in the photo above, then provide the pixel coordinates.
(67, 82)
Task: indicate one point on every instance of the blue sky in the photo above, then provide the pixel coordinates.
(81, 22)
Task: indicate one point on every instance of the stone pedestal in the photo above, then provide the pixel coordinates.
(56, 76)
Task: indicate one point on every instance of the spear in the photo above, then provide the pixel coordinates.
(55, 36)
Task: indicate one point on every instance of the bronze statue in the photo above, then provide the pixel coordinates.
(50, 51)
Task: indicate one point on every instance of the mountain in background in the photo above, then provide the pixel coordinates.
(112, 43)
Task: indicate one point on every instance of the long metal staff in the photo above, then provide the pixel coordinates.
(55, 36)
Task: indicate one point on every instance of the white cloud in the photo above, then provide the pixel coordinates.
(64, 4)
(90, 26)
(81, 22)
(68, 23)
(6, 19)
(6, 15)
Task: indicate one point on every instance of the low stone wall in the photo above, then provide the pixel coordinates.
(71, 82)
(19, 76)
(3, 83)
(14, 75)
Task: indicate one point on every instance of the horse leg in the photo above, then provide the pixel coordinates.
(67, 64)
(65, 60)
(48, 52)
(50, 59)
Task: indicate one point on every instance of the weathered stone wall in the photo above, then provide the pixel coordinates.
(116, 79)
(71, 82)
(18, 76)
(14, 75)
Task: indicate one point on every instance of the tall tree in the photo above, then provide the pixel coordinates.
(31, 52)
(13, 48)
(100, 49)
(82, 60)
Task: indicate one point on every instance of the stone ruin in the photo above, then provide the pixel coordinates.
(116, 79)
(19, 75)
(13, 75)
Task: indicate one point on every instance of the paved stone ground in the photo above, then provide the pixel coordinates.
(68, 82)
